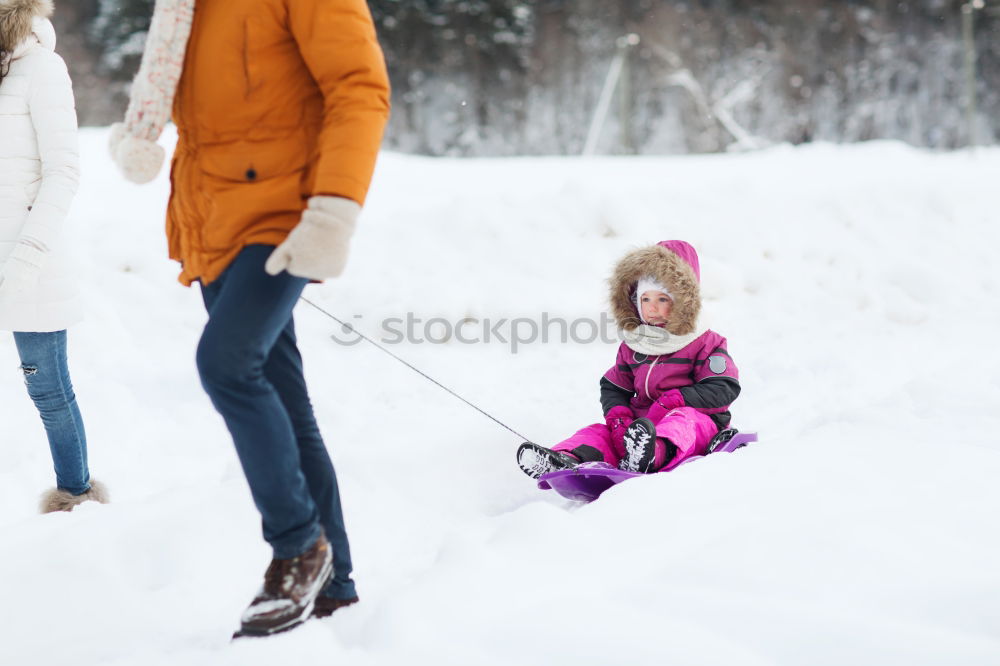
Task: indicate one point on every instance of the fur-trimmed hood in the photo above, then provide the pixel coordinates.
(17, 21)
(674, 264)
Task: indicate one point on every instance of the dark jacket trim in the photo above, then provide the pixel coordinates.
(587, 454)
(721, 419)
(613, 395)
(711, 393)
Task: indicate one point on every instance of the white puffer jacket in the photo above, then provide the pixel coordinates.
(39, 174)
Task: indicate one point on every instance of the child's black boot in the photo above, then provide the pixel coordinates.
(644, 452)
(535, 460)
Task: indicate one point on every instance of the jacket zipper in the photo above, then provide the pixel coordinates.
(651, 367)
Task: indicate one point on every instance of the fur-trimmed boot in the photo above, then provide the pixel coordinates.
(61, 500)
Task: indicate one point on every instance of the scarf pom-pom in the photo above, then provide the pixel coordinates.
(139, 159)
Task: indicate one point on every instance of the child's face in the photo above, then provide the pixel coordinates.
(655, 307)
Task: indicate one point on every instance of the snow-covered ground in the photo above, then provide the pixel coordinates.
(858, 288)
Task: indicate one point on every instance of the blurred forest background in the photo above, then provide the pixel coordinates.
(517, 77)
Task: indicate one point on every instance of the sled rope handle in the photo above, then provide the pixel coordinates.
(351, 329)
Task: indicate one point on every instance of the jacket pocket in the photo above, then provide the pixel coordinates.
(262, 49)
(255, 161)
(248, 58)
(251, 187)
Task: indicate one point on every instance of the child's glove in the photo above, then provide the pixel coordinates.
(667, 402)
(21, 270)
(317, 247)
(618, 420)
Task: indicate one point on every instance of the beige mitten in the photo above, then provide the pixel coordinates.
(317, 247)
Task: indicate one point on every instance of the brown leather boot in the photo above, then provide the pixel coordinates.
(326, 605)
(289, 592)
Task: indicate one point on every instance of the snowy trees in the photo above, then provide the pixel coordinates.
(458, 69)
(500, 77)
(119, 32)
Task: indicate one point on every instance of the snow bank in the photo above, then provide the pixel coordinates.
(856, 288)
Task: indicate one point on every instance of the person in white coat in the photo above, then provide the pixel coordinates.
(39, 173)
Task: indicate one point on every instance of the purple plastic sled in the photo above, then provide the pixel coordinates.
(586, 482)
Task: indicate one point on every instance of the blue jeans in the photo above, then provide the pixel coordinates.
(251, 368)
(46, 374)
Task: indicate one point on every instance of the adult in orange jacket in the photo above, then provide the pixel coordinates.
(280, 107)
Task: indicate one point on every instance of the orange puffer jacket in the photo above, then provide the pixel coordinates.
(279, 100)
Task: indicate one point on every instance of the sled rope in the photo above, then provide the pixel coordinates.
(351, 329)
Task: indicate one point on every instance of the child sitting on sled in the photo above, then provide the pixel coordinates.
(669, 391)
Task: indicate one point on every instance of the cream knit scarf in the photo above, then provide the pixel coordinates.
(656, 341)
(133, 143)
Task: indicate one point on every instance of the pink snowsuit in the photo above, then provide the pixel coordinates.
(685, 393)
(691, 424)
